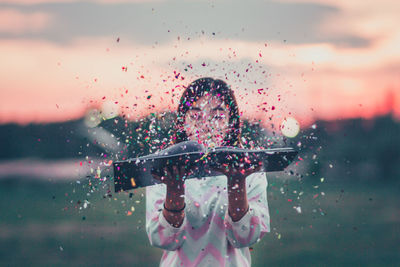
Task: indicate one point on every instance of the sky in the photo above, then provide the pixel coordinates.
(305, 59)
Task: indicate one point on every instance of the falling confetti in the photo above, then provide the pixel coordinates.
(298, 209)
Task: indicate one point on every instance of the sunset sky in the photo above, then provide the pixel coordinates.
(307, 59)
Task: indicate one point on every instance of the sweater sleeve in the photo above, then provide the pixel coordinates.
(160, 232)
(256, 222)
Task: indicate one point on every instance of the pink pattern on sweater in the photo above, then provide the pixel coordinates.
(209, 249)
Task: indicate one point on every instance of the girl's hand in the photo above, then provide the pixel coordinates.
(173, 176)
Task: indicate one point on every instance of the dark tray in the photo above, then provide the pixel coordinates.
(136, 172)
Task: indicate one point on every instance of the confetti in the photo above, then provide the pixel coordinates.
(298, 209)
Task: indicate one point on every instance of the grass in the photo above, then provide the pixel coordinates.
(44, 223)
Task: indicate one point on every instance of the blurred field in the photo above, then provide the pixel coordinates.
(44, 223)
(345, 183)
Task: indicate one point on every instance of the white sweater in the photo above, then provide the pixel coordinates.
(208, 236)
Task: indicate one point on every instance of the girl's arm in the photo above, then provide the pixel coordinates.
(166, 229)
(162, 233)
(175, 192)
(237, 198)
(243, 227)
(175, 201)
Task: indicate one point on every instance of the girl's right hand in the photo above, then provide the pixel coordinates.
(173, 176)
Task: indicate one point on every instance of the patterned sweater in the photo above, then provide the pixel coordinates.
(208, 236)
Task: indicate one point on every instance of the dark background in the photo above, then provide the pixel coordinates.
(346, 181)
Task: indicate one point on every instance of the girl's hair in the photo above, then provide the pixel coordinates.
(199, 88)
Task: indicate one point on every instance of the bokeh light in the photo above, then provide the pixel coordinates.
(290, 127)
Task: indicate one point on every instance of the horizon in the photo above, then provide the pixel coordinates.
(311, 123)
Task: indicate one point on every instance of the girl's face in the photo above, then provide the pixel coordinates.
(207, 121)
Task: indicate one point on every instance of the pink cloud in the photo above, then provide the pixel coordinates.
(14, 21)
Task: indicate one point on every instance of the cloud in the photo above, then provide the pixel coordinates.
(363, 21)
(149, 22)
(16, 22)
(37, 2)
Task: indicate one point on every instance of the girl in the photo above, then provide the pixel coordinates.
(207, 221)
